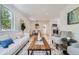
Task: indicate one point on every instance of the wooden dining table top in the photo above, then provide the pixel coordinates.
(34, 46)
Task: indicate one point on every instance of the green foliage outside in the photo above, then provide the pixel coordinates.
(6, 20)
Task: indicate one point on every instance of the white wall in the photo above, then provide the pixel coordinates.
(18, 17)
(63, 22)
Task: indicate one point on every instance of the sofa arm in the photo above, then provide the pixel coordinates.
(73, 44)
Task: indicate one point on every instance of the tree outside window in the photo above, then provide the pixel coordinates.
(6, 19)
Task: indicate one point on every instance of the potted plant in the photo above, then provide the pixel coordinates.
(23, 27)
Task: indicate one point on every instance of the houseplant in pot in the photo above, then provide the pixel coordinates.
(23, 27)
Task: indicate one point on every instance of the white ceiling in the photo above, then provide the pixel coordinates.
(38, 12)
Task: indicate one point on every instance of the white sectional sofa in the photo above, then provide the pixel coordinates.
(73, 49)
(15, 47)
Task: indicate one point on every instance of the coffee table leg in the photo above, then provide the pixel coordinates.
(31, 52)
(50, 52)
(28, 52)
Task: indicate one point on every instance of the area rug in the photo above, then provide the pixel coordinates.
(54, 51)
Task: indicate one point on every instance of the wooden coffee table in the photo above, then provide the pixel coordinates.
(36, 47)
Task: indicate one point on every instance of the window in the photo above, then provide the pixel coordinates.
(6, 19)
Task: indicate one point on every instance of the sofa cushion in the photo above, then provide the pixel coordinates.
(6, 43)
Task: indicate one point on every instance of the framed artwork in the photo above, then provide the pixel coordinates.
(55, 30)
(73, 16)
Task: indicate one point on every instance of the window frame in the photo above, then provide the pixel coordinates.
(12, 18)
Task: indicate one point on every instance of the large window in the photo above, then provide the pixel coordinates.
(6, 19)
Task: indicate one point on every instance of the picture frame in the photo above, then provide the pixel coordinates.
(73, 16)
